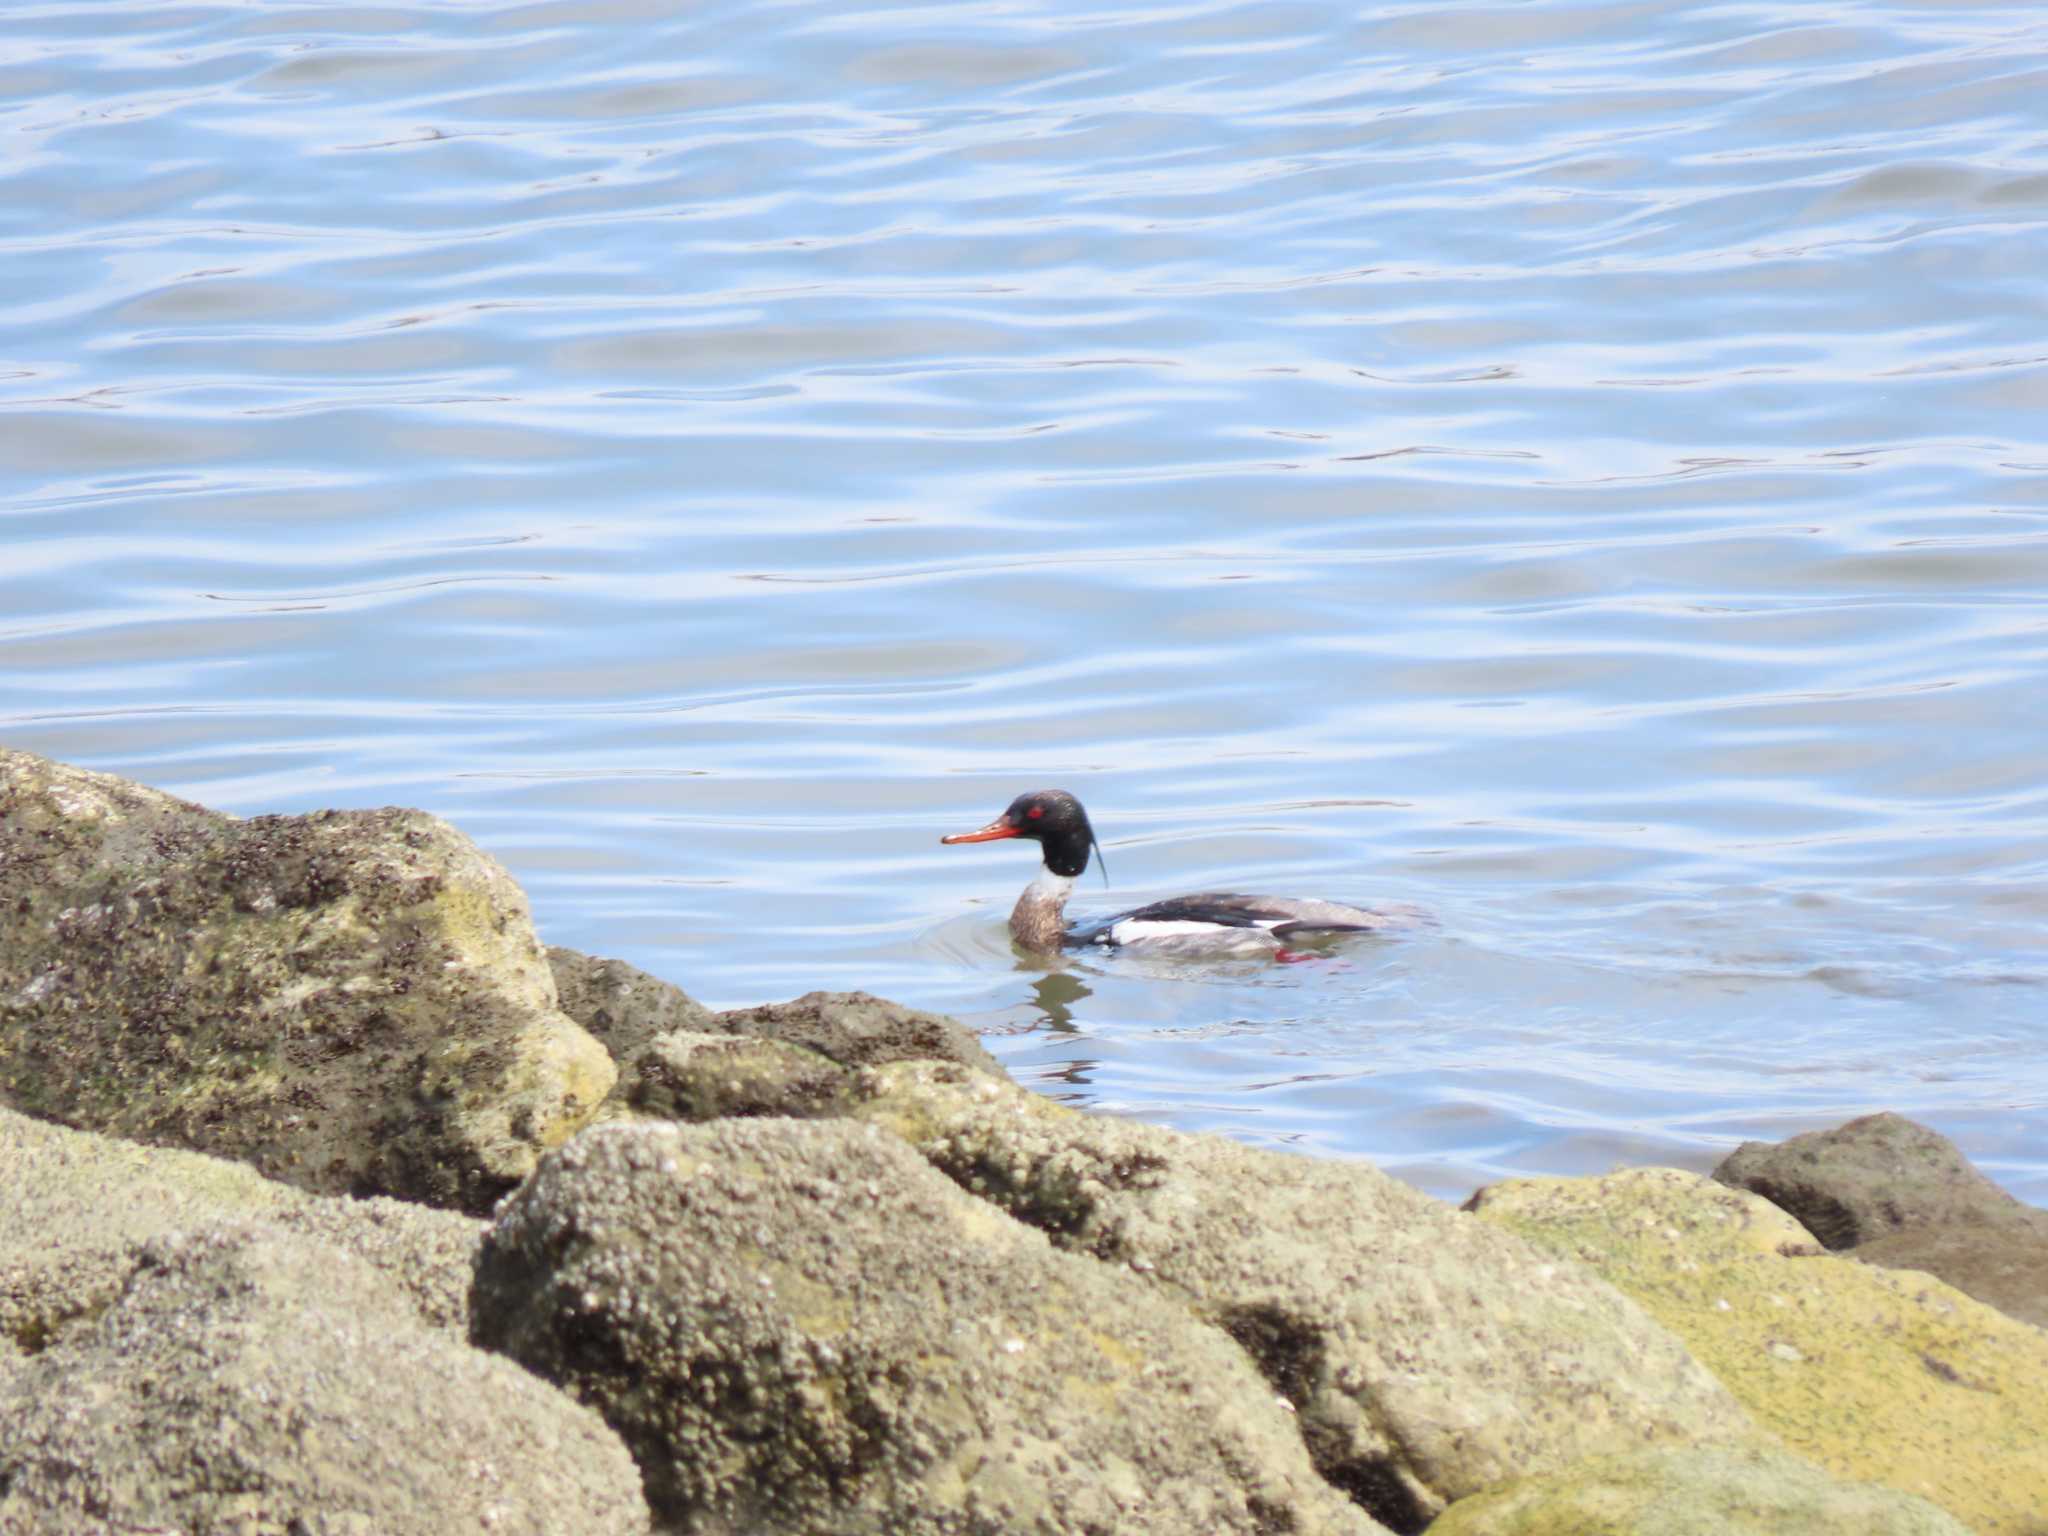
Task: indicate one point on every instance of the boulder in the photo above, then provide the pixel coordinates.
(76, 1209)
(1903, 1196)
(1427, 1355)
(1868, 1178)
(620, 1005)
(254, 1381)
(1683, 1490)
(2003, 1264)
(799, 1327)
(352, 1002)
(859, 1030)
(1880, 1376)
(688, 1076)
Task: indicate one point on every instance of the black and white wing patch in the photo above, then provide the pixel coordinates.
(1224, 914)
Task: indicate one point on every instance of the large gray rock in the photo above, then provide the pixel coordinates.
(76, 1209)
(1427, 1355)
(801, 1328)
(353, 1002)
(249, 1381)
(622, 1006)
(1904, 1197)
(857, 1029)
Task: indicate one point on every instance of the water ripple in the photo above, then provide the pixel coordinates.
(1578, 468)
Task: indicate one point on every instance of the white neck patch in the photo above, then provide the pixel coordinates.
(1051, 886)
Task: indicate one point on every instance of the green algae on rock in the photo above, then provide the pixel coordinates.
(352, 1002)
(1426, 1358)
(799, 1325)
(1694, 1491)
(1903, 1196)
(1883, 1376)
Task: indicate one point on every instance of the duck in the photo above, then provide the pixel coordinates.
(1213, 923)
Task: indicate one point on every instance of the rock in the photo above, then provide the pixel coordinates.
(75, 1210)
(1881, 1376)
(352, 1002)
(799, 1327)
(688, 1076)
(249, 1381)
(1680, 1490)
(1869, 1178)
(1902, 1196)
(1427, 1358)
(2003, 1265)
(622, 1006)
(857, 1030)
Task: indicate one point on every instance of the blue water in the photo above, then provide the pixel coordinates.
(1579, 468)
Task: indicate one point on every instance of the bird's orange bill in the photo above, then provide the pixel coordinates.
(988, 834)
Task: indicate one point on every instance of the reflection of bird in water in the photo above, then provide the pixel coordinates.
(1056, 993)
(1212, 924)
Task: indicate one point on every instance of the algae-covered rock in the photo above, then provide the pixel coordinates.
(1903, 1196)
(622, 1006)
(798, 1326)
(76, 1208)
(1884, 1376)
(1694, 1491)
(1426, 1356)
(252, 1381)
(684, 1075)
(856, 1029)
(353, 1002)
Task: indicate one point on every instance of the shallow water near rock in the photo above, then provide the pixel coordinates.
(1576, 469)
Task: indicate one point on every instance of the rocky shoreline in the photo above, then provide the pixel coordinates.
(334, 1202)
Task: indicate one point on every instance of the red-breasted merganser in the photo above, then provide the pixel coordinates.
(1215, 923)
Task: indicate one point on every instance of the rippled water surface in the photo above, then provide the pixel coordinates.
(1580, 468)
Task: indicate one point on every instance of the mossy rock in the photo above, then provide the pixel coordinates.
(1882, 1376)
(352, 1002)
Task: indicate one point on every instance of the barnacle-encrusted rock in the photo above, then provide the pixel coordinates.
(76, 1209)
(799, 1326)
(858, 1029)
(684, 1075)
(350, 1001)
(1427, 1356)
(253, 1380)
(622, 1006)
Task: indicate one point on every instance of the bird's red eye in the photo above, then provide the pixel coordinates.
(1035, 812)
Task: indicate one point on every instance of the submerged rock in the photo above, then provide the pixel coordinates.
(1903, 1196)
(353, 1002)
(1888, 1377)
(1708, 1490)
(799, 1327)
(249, 1381)
(1426, 1357)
